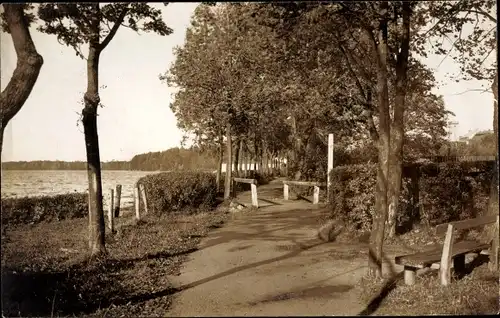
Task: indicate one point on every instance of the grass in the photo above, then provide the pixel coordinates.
(46, 272)
(473, 294)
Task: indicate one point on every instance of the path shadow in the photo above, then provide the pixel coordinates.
(171, 290)
(469, 268)
(386, 289)
(270, 202)
(81, 288)
(264, 226)
(300, 197)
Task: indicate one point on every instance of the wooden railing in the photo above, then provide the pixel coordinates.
(316, 185)
(253, 187)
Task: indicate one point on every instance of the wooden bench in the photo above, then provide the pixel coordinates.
(253, 188)
(316, 185)
(442, 256)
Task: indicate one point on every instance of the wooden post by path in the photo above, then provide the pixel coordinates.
(330, 165)
(316, 195)
(136, 201)
(255, 201)
(144, 199)
(111, 209)
(118, 198)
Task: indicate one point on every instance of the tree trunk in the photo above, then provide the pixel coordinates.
(219, 163)
(397, 129)
(229, 163)
(28, 66)
(89, 114)
(380, 214)
(265, 164)
(261, 161)
(489, 231)
(237, 148)
(243, 160)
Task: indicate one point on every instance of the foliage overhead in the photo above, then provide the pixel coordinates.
(74, 23)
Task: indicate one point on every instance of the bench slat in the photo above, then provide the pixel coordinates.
(427, 258)
(466, 224)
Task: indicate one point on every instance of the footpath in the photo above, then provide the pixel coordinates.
(269, 262)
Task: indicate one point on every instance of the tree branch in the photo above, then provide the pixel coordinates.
(29, 63)
(113, 31)
(485, 14)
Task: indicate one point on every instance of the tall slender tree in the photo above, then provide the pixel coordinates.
(95, 25)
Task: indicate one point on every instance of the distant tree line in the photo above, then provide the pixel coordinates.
(171, 159)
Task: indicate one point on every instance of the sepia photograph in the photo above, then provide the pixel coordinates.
(272, 158)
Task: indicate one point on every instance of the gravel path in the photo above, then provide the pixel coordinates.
(269, 262)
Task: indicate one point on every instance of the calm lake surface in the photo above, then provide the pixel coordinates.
(17, 183)
(30, 183)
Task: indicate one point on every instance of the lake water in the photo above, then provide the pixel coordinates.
(16, 183)
(22, 183)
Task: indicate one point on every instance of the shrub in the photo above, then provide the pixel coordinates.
(454, 191)
(176, 191)
(352, 194)
(448, 192)
(33, 210)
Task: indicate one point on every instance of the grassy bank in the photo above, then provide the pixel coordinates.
(45, 271)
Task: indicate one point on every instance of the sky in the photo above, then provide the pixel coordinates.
(136, 117)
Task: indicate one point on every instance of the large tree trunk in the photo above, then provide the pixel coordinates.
(380, 215)
(229, 162)
(89, 113)
(28, 66)
(397, 129)
(219, 163)
(490, 232)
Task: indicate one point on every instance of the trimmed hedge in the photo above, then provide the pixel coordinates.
(33, 210)
(179, 191)
(448, 192)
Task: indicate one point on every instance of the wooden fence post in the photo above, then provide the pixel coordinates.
(316, 195)
(330, 166)
(136, 201)
(111, 209)
(255, 202)
(144, 199)
(444, 269)
(285, 191)
(118, 198)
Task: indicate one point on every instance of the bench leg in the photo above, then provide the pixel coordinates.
(459, 263)
(410, 273)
